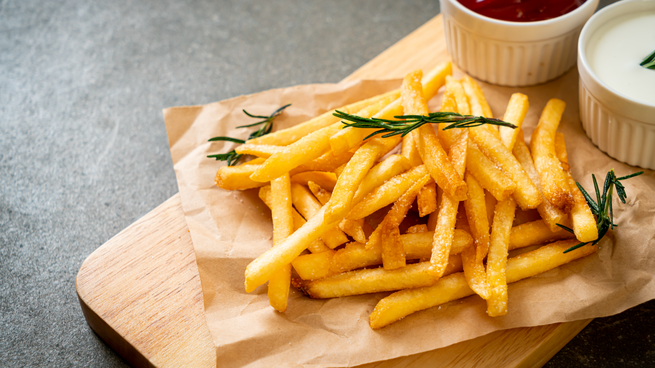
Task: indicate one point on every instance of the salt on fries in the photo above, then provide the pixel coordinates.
(342, 202)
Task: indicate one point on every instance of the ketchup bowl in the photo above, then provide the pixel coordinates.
(617, 99)
(513, 53)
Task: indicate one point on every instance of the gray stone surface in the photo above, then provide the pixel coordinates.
(84, 153)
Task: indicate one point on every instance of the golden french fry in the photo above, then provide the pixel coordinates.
(533, 233)
(349, 138)
(317, 245)
(281, 209)
(560, 151)
(551, 214)
(259, 150)
(555, 184)
(517, 108)
(290, 135)
(432, 154)
(262, 268)
(385, 170)
(584, 223)
(387, 193)
(405, 302)
(304, 150)
(368, 281)
(474, 272)
(314, 266)
(427, 199)
(327, 162)
(448, 104)
(476, 213)
(497, 258)
(526, 194)
(308, 206)
(321, 194)
(488, 175)
(447, 214)
(393, 254)
(354, 173)
(354, 228)
(326, 180)
(457, 90)
(237, 177)
(419, 245)
(409, 150)
(477, 101)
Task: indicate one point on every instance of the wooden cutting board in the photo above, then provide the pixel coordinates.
(140, 291)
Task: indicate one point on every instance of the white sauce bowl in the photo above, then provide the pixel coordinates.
(513, 54)
(618, 124)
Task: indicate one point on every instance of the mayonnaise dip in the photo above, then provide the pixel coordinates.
(617, 48)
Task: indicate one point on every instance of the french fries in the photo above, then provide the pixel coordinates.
(431, 224)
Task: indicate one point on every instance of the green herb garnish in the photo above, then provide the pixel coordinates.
(602, 207)
(232, 157)
(389, 128)
(649, 61)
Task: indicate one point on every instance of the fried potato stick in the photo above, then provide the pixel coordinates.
(281, 210)
(533, 233)
(426, 200)
(259, 150)
(405, 302)
(555, 184)
(517, 108)
(476, 213)
(287, 136)
(326, 180)
(488, 175)
(309, 206)
(551, 214)
(497, 258)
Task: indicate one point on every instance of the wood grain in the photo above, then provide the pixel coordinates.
(141, 293)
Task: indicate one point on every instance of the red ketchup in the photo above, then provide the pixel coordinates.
(522, 10)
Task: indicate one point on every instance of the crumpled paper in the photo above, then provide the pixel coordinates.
(231, 228)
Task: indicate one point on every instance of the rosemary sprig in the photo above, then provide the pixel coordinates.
(267, 126)
(602, 207)
(389, 128)
(649, 61)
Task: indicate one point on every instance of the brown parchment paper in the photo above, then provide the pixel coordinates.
(229, 229)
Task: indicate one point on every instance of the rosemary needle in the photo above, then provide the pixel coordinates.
(602, 207)
(267, 126)
(649, 61)
(407, 123)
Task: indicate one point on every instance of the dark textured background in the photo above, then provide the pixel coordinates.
(84, 153)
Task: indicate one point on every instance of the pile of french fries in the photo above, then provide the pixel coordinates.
(430, 216)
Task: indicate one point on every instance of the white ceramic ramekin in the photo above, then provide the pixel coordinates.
(618, 125)
(513, 54)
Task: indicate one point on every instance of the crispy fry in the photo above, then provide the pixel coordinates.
(446, 219)
(497, 258)
(488, 175)
(317, 245)
(542, 146)
(326, 180)
(533, 233)
(457, 90)
(420, 228)
(308, 206)
(349, 138)
(259, 150)
(278, 285)
(409, 150)
(517, 108)
(474, 273)
(387, 193)
(290, 135)
(327, 162)
(526, 194)
(262, 268)
(584, 223)
(419, 245)
(353, 174)
(385, 170)
(453, 287)
(304, 150)
(551, 214)
(448, 104)
(435, 158)
(314, 266)
(560, 151)
(237, 177)
(477, 101)
(321, 194)
(354, 228)
(476, 213)
(427, 199)
(368, 281)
